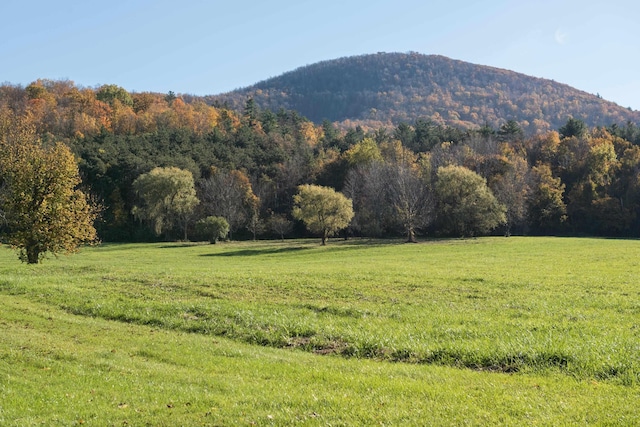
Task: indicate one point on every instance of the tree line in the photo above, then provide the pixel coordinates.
(246, 167)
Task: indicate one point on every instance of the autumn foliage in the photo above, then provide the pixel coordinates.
(385, 89)
(42, 207)
(246, 166)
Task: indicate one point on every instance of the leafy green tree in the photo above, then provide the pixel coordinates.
(322, 209)
(170, 97)
(109, 93)
(353, 136)
(363, 152)
(268, 121)
(167, 198)
(486, 130)
(42, 208)
(214, 227)
(331, 136)
(465, 204)
(591, 206)
(250, 113)
(425, 135)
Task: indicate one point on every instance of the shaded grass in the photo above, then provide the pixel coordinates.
(255, 252)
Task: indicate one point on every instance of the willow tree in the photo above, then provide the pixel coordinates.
(43, 210)
(322, 209)
(167, 199)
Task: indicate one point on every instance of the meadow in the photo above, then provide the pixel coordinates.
(490, 331)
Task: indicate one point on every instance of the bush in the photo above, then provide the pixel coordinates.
(213, 227)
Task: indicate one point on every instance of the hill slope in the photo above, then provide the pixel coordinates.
(388, 88)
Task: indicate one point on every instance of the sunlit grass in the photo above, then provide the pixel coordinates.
(548, 327)
(61, 369)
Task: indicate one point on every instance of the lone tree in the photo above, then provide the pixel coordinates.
(42, 209)
(167, 198)
(323, 210)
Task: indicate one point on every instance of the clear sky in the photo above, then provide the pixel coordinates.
(209, 47)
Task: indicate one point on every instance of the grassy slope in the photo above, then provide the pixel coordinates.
(563, 313)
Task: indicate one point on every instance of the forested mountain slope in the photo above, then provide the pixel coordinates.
(388, 88)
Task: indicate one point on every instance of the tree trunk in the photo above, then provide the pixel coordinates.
(324, 238)
(411, 236)
(33, 255)
(507, 229)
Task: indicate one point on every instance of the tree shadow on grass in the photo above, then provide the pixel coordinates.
(254, 252)
(336, 245)
(183, 245)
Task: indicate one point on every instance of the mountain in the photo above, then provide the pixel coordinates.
(388, 88)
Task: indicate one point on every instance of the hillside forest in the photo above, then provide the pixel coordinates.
(411, 179)
(386, 89)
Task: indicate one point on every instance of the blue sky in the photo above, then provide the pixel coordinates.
(209, 47)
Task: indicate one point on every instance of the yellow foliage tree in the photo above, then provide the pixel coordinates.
(43, 209)
(322, 209)
(364, 152)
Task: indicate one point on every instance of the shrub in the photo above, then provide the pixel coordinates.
(213, 227)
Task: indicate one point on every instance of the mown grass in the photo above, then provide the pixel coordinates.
(549, 327)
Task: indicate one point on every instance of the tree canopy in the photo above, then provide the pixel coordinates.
(466, 205)
(167, 198)
(42, 208)
(247, 166)
(323, 210)
(213, 227)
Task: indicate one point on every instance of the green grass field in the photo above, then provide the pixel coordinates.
(492, 331)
